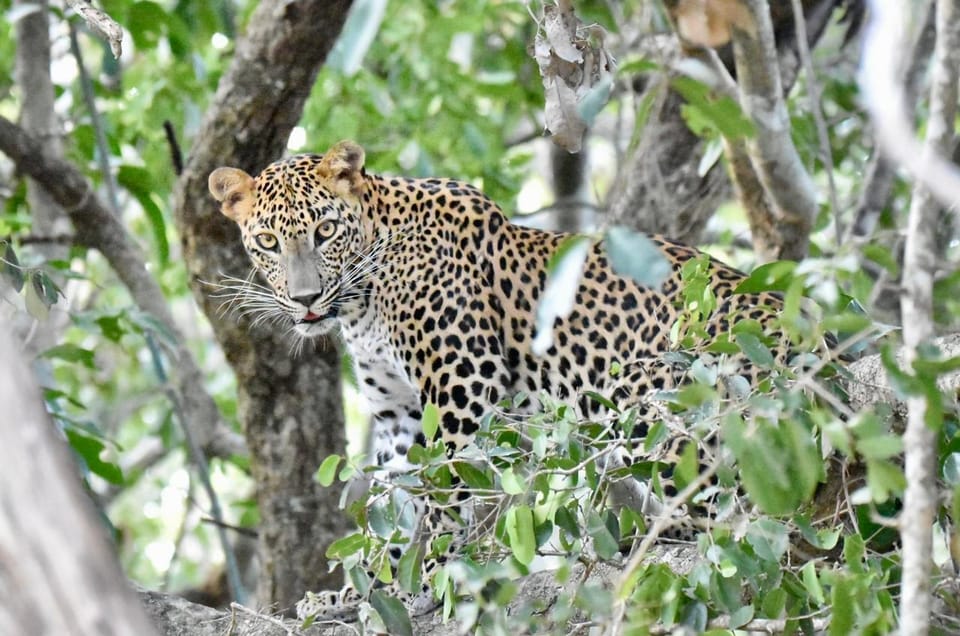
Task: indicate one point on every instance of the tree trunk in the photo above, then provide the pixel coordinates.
(58, 570)
(290, 407)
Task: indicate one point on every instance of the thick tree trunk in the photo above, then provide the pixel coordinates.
(290, 406)
(58, 571)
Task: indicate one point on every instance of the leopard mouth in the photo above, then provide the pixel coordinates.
(310, 317)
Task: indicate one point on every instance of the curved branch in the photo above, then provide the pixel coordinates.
(97, 228)
(772, 152)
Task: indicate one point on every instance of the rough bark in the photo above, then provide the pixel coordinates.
(919, 265)
(568, 174)
(58, 572)
(96, 227)
(290, 407)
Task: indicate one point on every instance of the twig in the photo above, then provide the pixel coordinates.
(176, 155)
(813, 91)
(920, 253)
(86, 88)
(663, 520)
(96, 227)
(101, 24)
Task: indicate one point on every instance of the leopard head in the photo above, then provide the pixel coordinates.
(301, 226)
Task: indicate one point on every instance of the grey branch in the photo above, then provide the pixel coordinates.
(97, 228)
(772, 153)
(886, 37)
(920, 259)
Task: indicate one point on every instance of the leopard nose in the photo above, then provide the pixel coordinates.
(306, 300)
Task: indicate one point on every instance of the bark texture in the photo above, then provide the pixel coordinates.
(290, 407)
(919, 265)
(58, 571)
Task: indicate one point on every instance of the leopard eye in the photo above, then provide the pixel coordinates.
(325, 230)
(266, 241)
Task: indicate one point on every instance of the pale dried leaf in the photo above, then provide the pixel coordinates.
(561, 30)
(576, 74)
(710, 22)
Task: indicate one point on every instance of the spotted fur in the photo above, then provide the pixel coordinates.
(436, 293)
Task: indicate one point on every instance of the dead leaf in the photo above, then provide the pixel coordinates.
(710, 22)
(574, 67)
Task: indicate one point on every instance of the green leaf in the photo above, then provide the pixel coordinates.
(520, 531)
(633, 254)
(596, 98)
(779, 462)
(140, 183)
(71, 353)
(111, 327)
(511, 484)
(812, 583)
(754, 349)
(409, 569)
(89, 449)
(601, 400)
(769, 539)
(775, 276)
(34, 302)
(328, 470)
(392, 613)
(884, 480)
(560, 290)
(472, 476)
(358, 33)
(430, 421)
(604, 542)
(350, 544)
(844, 602)
(10, 267)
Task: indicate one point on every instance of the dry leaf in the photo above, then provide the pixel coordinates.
(710, 22)
(576, 74)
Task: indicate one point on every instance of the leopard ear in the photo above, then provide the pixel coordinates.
(343, 166)
(233, 188)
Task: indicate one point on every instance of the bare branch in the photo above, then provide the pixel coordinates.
(772, 152)
(96, 227)
(886, 37)
(920, 256)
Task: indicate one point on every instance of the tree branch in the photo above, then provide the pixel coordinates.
(920, 257)
(886, 36)
(772, 153)
(96, 227)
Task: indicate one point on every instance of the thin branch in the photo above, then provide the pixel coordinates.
(886, 37)
(920, 255)
(881, 172)
(813, 92)
(96, 227)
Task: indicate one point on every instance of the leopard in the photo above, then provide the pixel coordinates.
(435, 293)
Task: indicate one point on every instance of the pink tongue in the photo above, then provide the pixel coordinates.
(311, 316)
